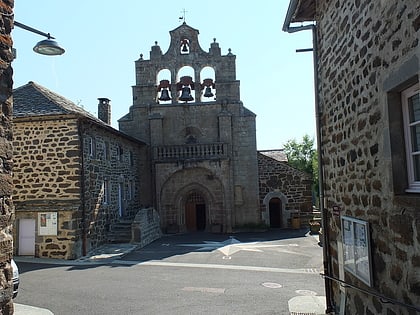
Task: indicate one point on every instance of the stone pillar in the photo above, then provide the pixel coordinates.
(6, 186)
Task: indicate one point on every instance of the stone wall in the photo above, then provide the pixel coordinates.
(368, 52)
(6, 204)
(49, 179)
(146, 227)
(120, 161)
(294, 185)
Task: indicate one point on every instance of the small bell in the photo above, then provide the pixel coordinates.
(207, 92)
(186, 94)
(164, 95)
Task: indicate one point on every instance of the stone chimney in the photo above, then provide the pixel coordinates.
(104, 110)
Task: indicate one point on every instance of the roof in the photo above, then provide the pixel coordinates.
(299, 11)
(278, 155)
(33, 99)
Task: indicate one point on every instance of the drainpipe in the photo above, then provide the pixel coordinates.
(82, 189)
(325, 234)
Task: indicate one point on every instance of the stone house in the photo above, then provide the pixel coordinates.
(6, 156)
(284, 191)
(367, 70)
(187, 108)
(74, 175)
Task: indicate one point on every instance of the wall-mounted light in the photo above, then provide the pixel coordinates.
(47, 46)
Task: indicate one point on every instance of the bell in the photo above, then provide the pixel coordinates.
(207, 92)
(184, 47)
(164, 95)
(186, 94)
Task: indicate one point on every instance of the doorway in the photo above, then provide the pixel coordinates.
(195, 212)
(26, 237)
(275, 213)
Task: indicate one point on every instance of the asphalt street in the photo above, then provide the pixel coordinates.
(274, 272)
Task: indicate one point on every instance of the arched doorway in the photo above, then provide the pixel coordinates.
(275, 210)
(195, 212)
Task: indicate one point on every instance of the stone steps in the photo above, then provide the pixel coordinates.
(120, 232)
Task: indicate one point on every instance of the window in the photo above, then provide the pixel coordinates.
(105, 191)
(91, 147)
(411, 116)
(120, 153)
(106, 150)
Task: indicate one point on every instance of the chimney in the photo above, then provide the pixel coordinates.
(104, 110)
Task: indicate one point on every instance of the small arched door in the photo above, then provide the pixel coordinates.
(275, 207)
(195, 212)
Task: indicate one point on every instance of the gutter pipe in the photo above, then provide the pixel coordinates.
(325, 234)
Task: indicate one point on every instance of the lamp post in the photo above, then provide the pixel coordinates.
(47, 46)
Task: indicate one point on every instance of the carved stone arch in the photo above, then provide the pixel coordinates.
(283, 201)
(182, 201)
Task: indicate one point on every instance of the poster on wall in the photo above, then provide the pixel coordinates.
(356, 248)
(47, 223)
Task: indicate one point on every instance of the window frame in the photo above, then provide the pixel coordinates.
(413, 184)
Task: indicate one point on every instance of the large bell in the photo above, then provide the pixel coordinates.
(186, 94)
(164, 95)
(207, 92)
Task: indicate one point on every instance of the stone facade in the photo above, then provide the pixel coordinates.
(6, 155)
(73, 170)
(285, 192)
(368, 54)
(202, 146)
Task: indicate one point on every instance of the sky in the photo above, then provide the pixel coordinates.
(104, 38)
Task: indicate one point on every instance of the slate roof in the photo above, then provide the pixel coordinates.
(33, 99)
(277, 155)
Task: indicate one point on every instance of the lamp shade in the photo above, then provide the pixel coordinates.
(48, 47)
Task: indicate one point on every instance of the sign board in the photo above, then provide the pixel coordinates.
(356, 248)
(47, 223)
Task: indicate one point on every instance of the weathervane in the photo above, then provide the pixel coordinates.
(183, 15)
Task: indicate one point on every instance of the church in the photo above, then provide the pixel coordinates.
(184, 159)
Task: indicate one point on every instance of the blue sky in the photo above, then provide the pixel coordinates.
(103, 39)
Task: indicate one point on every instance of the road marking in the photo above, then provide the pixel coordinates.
(272, 285)
(215, 266)
(204, 290)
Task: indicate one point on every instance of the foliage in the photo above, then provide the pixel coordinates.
(303, 156)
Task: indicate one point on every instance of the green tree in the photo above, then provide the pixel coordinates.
(303, 156)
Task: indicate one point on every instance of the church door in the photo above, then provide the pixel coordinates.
(195, 213)
(275, 213)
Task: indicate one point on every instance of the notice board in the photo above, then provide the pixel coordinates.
(356, 248)
(47, 223)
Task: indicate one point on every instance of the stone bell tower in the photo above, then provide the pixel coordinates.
(187, 108)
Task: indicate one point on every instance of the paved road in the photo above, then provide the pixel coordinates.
(273, 272)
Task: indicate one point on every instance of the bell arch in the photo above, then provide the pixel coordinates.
(163, 86)
(208, 86)
(185, 84)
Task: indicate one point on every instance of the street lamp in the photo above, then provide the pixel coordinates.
(47, 46)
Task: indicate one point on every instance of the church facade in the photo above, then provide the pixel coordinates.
(201, 138)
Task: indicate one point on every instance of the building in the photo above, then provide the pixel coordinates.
(285, 192)
(74, 175)
(367, 69)
(6, 155)
(202, 139)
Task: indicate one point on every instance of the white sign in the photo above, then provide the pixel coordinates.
(356, 248)
(47, 223)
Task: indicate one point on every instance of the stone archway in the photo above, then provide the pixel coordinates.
(275, 210)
